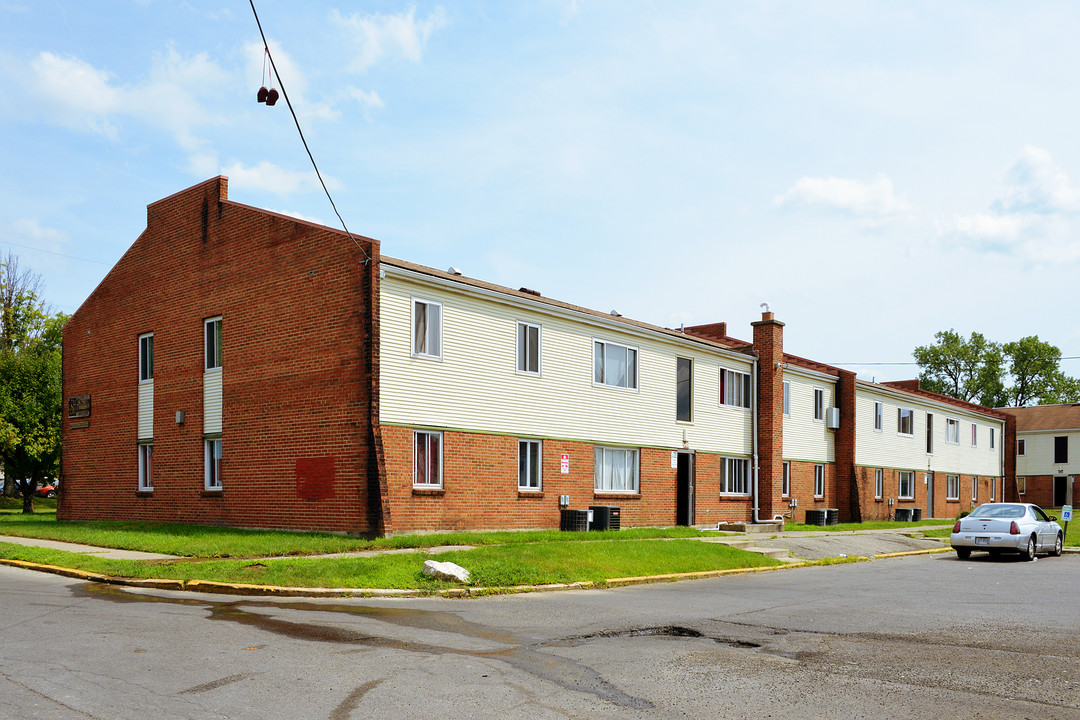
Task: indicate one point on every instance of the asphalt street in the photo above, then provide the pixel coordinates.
(913, 637)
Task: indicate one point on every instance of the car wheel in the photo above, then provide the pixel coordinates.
(963, 553)
(50, 494)
(1029, 554)
(1057, 546)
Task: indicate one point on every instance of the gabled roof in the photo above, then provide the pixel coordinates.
(1045, 417)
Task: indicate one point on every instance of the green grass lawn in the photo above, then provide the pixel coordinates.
(491, 566)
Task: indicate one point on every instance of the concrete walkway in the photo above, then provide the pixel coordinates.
(109, 553)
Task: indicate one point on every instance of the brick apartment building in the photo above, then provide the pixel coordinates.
(240, 367)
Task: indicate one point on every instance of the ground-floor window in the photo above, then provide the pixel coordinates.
(819, 481)
(616, 470)
(1021, 485)
(212, 454)
(785, 490)
(529, 464)
(736, 478)
(975, 488)
(879, 483)
(907, 485)
(427, 459)
(952, 487)
(146, 466)
(993, 488)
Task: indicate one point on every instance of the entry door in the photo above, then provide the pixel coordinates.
(1061, 491)
(929, 495)
(684, 494)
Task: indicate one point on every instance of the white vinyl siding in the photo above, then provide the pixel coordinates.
(211, 403)
(146, 410)
(804, 437)
(1039, 457)
(889, 449)
(477, 388)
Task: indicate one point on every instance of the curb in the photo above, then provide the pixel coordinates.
(244, 589)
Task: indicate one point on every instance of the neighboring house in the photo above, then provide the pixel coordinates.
(1047, 448)
(245, 368)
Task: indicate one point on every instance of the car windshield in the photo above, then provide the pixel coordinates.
(999, 511)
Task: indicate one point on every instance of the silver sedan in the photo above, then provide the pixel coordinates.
(1007, 527)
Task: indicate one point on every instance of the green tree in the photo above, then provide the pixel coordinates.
(969, 369)
(1035, 370)
(30, 382)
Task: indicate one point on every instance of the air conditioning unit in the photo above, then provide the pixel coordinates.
(832, 418)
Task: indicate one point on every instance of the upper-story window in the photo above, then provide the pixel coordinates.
(974, 435)
(905, 421)
(684, 389)
(213, 343)
(952, 431)
(991, 438)
(615, 365)
(427, 329)
(1061, 449)
(787, 399)
(528, 348)
(146, 357)
(819, 404)
(929, 433)
(734, 388)
(1021, 446)
(879, 413)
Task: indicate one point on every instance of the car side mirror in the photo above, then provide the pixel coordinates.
(1053, 518)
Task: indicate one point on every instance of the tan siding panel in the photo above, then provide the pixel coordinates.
(146, 410)
(212, 402)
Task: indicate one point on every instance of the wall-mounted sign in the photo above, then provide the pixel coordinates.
(564, 463)
(79, 406)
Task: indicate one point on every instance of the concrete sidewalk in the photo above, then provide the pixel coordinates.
(109, 553)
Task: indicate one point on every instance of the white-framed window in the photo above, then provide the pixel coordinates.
(146, 467)
(616, 470)
(992, 430)
(819, 404)
(879, 416)
(212, 463)
(528, 348)
(146, 357)
(427, 329)
(993, 488)
(787, 399)
(684, 389)
(427, 459)
(974, 488)
(529, 464)
(952, 431)
(785, 489)
(952, 487)
(1021, 485)
(819, 481)
(734, 388)
(615, 365)
(736, 477)
(974, 435)
(907, 485)
(213, 343)
(1021, 446)
(905, 421)
(879, 483)
(929, 433)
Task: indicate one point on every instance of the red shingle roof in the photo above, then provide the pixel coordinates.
(1045, 417)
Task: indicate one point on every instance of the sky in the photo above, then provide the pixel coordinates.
(874, 171)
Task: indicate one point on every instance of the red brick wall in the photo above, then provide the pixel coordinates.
(480, 476)
(878, 509)
(802, 489)
(298, 347)
(769, 346)
(848, 490)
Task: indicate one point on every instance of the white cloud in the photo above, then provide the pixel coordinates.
(1037, 184)
(873, 199)
(30, 230)
(73, 93)
(381, 36)
(995, 228)
(270, 178)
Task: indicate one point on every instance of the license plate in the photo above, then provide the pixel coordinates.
(982, 541)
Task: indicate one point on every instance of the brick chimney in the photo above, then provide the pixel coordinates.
(769, 346)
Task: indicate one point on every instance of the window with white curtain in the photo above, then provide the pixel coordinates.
(616, 470)
(736, 478)
(734, 388)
